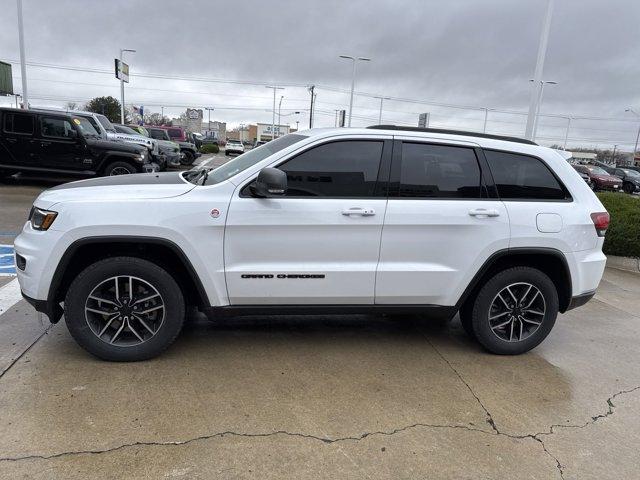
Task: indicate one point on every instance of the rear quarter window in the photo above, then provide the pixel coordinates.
(523, 177)
(20, 123)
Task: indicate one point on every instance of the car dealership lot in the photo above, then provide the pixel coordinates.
(307, 397)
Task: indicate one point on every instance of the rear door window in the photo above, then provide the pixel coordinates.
(439, 171)
(523, 177)
(19, 123)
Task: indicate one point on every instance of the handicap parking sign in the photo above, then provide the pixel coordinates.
(7, 260)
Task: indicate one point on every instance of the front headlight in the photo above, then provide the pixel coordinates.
(41, 219)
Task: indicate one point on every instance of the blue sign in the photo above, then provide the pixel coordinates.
(7, 260)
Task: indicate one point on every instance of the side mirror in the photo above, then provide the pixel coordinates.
(271, 182)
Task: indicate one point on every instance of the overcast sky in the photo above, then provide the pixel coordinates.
(476, 53)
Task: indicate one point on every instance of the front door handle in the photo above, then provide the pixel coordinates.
(484, 213)
(363, 212)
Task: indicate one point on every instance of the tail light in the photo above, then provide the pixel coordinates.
(601, 222)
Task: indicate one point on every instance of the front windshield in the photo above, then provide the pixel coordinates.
(597, 171)
(249, 159)
(631, 173)
(108, 126)
(85, 127)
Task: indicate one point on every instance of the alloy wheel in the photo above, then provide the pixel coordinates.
(124, 311)
(517, 312)
(120, 171)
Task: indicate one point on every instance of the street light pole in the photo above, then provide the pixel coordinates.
(613, 155)
(537, 77)
(566, 135)
(122, 50)
(209, 109)
(540, 92)
(353, 80)
(279, 107)
(382, 99)
(23, 61)
(635, 148)
(486, 116)
(273, 117)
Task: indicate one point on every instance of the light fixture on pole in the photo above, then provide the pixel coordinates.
(273, 118)
(23, 60)
(635, 148)
(122, 50)
(540, 92)
(353, 79)
(537, 76)
(382, 99)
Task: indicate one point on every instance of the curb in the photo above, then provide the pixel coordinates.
(624, 263)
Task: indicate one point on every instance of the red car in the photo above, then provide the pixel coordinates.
(176, 134)
(600, 179)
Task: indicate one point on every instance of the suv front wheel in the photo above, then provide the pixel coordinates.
(124, 309)
(119, 168)
(514, 311)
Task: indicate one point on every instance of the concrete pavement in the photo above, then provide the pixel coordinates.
(332, 397)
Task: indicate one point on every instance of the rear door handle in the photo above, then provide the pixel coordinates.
(364, 212)
(484, 212)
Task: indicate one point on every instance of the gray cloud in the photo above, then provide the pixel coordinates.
(466, 52)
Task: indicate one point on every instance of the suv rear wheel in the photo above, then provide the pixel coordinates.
(514, 311)
(119, 168)
(124, 309)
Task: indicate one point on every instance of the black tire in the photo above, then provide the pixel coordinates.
(168, 326)
(489, 338)
(629, 188)
(465, 319)
(226, 154)
(187, 158)
(119, 168)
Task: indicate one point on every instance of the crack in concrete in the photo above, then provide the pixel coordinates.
(489, 417)
(326, 440)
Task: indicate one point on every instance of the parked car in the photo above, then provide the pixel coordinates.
(188, 150)
(210, 140)
(600, 178)
(177, 134)
(497, 229)
(630, 179)
(58, 142)
(168, 151)
(233, 146)
(108, 131)
(586, 178)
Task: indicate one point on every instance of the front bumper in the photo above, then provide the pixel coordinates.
(52, 310)
(580, 300)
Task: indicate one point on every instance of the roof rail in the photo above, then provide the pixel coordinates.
(453, 132)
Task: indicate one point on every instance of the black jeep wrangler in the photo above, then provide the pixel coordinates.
(44, 141)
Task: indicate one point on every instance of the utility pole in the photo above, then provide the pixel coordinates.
(635, 148)
(613, 155)
(23, 61)
(209, 109)
(353, 80)
(486, 116)
(537, 77)
(311, 89)
(273, 118)
(537, 115)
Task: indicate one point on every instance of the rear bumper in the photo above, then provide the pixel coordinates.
(580, 300)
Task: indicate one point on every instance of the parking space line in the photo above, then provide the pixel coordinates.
(7, 261)
(9, 295)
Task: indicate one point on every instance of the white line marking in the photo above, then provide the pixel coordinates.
(9, 295)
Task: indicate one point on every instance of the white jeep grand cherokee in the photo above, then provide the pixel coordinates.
(383, 219)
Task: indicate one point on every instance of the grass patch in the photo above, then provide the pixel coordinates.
(623, 234)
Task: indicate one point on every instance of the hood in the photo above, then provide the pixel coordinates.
(133, 187)
(607, 178)
(120, 145)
